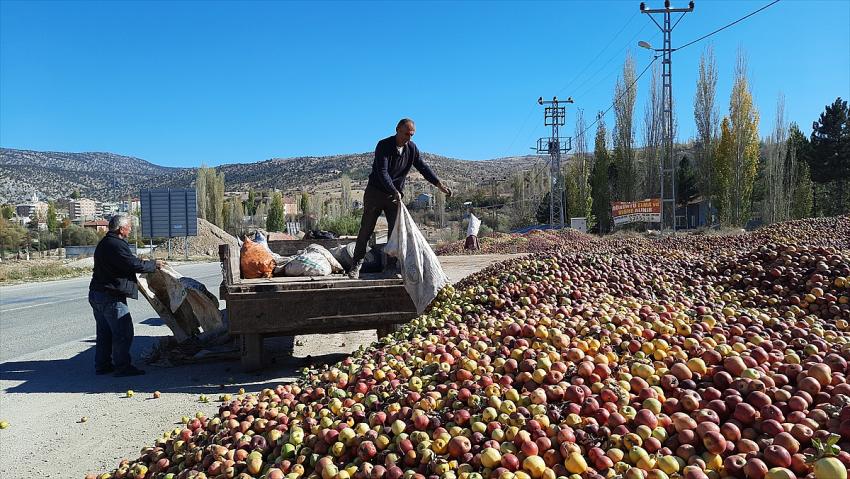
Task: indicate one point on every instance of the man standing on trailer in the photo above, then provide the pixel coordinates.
(394, 156)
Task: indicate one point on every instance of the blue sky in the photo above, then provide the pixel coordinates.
(186, 83)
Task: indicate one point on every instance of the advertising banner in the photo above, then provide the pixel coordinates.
(625, 212)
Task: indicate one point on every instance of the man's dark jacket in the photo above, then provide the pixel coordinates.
(389, 170)
(115, 268)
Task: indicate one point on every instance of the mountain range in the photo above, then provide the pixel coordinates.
(109, 176)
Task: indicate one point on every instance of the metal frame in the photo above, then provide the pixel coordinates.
(555, 116)
(668, 163)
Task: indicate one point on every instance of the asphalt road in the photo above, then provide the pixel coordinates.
(38, 316)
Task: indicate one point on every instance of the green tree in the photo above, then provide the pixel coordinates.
(250, 204)
(802, 196)
(75, 195)
(78, 236)
(686, 182)
(829, 159)
(304, 203)
(722, 178)
(52, 222)
(12, 236)
(275, 220)
(7, 212)
(233, 215)
(600, 179)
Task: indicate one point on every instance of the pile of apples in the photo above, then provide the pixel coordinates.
(535, 241)
(696, 357)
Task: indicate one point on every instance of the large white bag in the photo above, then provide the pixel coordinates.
(474, 225)
(423, 275)
(308, 263)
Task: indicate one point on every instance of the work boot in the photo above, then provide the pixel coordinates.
(354, 272)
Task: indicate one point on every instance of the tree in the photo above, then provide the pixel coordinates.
(233, 215)
(12, 236)
(653, 140)
(802, 196)
(686, 182)
(440, 208)
(7, 212)
(345, 183)
(304, 204)
(779, 170)
(250, 203)
(742, 148)
(583, 162)
(75, 195)
(275, 220)
(600, 179)
(829, 160)
(209, 188)
(705, 114)
(722, 180)
(624, 105)
(52, 222)
(201, 192)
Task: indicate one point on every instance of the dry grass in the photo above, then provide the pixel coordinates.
(12, 272)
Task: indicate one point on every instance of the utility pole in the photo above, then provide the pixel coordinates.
(668, 162)
(555, 115)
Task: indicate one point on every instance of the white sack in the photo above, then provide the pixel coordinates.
(474, 225)
(308, 263)
(317, 248)
(423, 275)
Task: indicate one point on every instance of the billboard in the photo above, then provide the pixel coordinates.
(625, 212)
(168, 213)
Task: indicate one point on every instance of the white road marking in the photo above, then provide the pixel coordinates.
(39, 304)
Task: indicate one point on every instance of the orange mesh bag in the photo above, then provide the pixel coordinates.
(255, 261)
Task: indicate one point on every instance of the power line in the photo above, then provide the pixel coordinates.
(600, 52)
(621, 95)
(729, 25)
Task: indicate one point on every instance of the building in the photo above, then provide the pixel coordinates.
(84, 209)
(424, 201)
(130, 207)
(32, 209)
(109, 209)
(98, 225)
(290, 207)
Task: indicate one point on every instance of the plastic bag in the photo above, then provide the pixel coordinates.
(421, 270)
(255, 261)
(308, 263)
(344, 254)
(336, 267)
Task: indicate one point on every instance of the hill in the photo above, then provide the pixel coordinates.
(108, 176)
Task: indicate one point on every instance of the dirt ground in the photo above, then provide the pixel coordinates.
(45, 402)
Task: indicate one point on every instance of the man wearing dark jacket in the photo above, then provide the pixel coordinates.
(113, 281)
(393, 158)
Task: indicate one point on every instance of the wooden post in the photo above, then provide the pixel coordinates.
(252, 351)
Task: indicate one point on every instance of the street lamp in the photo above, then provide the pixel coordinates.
(646, 45)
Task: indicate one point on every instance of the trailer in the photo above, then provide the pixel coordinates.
(291, 306)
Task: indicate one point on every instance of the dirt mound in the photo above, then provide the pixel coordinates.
(206, 243)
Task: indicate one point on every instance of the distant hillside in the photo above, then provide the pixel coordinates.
(56, 174)
(108, 176)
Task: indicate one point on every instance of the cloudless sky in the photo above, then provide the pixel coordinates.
(186, 83)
